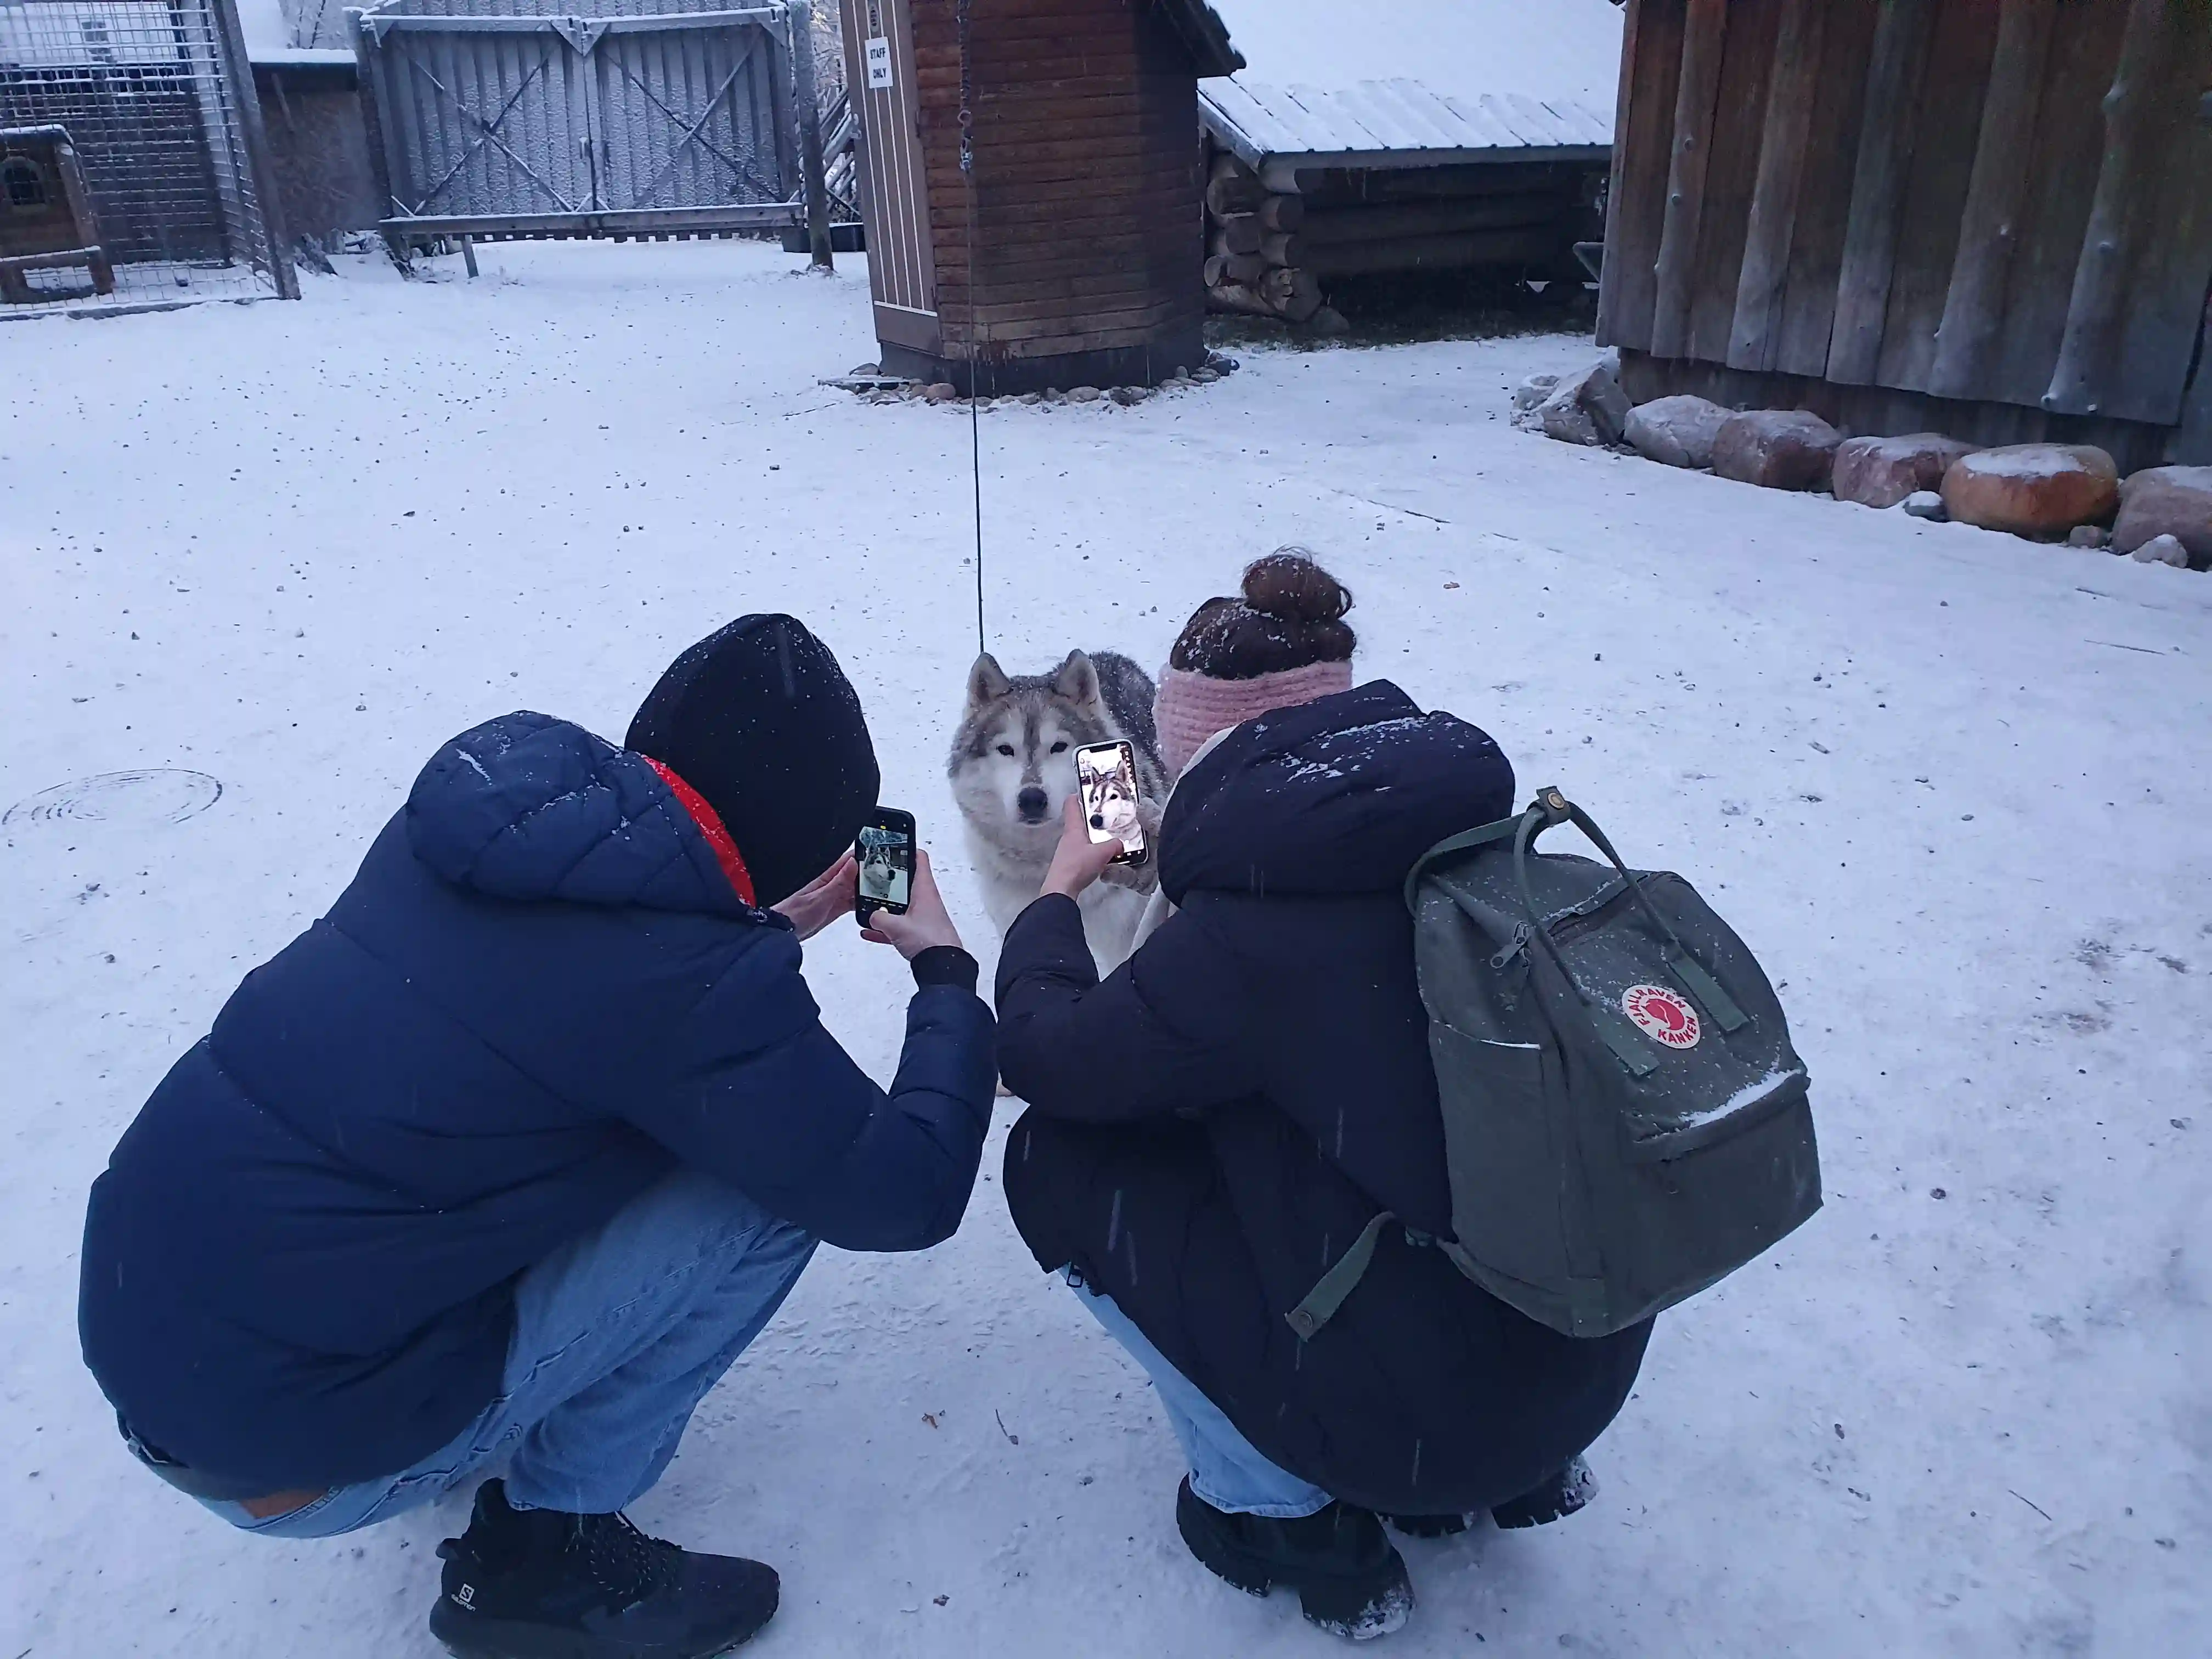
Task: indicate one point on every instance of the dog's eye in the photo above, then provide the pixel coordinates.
(1058, 748)
(1007, 750)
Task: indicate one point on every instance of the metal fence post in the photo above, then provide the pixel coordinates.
(798, 17)
(230, 42)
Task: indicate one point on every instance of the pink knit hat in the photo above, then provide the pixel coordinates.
(1189, 707)
(1282, 643)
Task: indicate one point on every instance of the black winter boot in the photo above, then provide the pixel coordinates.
(1570, 1489)
(542, 1585)
(1553, 1499)
(1349, 1580)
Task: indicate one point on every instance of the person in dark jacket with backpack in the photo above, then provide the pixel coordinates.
(1215, 1126)
(508, 1157)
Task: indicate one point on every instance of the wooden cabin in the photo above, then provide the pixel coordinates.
(1055, 240)
(1991, 218)
(1422, 136)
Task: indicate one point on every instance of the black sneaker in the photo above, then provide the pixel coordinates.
(1349, 1579)
(1554, 1499)
(542, 1585)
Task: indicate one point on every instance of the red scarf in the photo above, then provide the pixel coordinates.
(710, 825)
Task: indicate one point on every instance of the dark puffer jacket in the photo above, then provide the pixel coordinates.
(1210, 1128)
(539, 994)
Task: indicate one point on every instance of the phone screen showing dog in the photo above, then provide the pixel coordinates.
(1106, 774)
(884, 852)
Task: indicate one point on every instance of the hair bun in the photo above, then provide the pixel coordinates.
(1288, 584)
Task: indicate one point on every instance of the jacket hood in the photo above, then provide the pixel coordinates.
(1332, 798)
(526, 806)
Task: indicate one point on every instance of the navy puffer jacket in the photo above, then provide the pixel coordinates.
(540, 994)
(1210, 1128)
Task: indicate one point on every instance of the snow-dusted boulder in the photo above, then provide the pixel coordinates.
(2167, 501)
(2163, 549)
(1777, 448)
(1676, 431)
(1883, 471)
(1532, 391)
(1587, 408)
(2042, 491)
(1925, 504)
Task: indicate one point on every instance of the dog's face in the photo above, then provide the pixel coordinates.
(1013, 762)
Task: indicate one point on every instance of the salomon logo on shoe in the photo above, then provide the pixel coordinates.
(466, 1596)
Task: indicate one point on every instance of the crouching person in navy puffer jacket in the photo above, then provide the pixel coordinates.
(510, 1156)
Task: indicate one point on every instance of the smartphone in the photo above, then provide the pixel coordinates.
(1106, 774)
(884, 852)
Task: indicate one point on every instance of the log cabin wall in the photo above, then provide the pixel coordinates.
(1990, 216)
(1087, 222)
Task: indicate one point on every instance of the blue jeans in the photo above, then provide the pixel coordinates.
(618, 1334)
(1226, 1470)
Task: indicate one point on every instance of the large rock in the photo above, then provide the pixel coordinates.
(1883, 471)
(2163, 549)
(1678, 431)
(1533, 391)
(1777, 448)
(2168, 500)
(2042, 491)
(1589, 408)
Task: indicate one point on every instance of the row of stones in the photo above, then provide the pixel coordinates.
(2050, 492)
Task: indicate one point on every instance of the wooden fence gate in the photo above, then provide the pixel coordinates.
(503, 119)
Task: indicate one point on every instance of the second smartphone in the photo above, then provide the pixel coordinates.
(1106, 776)
(884, 852)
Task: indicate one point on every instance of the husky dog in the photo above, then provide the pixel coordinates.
(1013, 767)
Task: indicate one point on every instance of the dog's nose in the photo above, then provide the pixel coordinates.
(1031, 804)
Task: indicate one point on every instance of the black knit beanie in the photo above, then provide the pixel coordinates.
(762, 722)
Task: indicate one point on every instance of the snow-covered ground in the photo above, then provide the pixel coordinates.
(1952, 786)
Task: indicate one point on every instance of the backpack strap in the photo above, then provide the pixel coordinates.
(1325, 1298)
(1551, 809)
(1466, 840)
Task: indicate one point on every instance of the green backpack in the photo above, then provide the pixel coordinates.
(1625, 1120)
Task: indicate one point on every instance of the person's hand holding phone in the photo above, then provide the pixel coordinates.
(1077, 861)
(823, 900)
(926, 924)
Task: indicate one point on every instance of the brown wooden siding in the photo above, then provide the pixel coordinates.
(1086, 214)
(901, 264)
(1999, 200)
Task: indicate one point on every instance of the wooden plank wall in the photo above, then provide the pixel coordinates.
(1087, 216)
(2004, 201)
(894, 196)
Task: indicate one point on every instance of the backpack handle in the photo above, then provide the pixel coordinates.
(1466, 840)
(1549, 810)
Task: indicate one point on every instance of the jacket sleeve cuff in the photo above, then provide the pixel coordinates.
(945, 964)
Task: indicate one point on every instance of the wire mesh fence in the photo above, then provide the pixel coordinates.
(155, 102)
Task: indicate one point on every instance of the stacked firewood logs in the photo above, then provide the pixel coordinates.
(1269, 252)
(1252, 236)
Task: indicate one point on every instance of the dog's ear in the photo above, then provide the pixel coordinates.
(986, 682)
(1077, 680)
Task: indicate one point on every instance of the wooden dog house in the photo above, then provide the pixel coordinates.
(1056, 239)
(46, 219)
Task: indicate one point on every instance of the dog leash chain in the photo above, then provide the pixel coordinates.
(974, 326)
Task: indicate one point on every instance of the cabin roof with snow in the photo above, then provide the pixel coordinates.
(1413, 84)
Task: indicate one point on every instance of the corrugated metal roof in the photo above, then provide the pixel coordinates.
(1260, 122)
